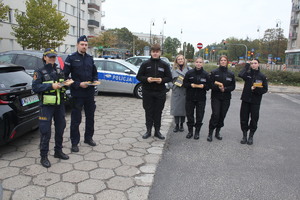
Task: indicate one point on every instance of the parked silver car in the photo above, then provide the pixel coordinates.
(138, 60)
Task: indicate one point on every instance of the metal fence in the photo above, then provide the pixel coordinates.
(283, 67)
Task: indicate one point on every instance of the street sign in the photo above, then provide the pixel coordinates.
(199, 45)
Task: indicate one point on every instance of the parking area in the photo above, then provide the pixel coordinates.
(121, 166)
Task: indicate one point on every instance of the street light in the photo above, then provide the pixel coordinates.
(278, 25)
(151, 24)
(79, 18)
(162, 39)
(238, 45)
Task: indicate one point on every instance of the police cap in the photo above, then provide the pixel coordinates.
(50, 52)
(82, 38)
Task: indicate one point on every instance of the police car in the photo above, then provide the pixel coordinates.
(118, 76)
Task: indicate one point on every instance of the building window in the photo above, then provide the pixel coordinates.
(82, 14)
(66, 7)
(72, 48)
(10, 14)
(58, 5)
(72, 30)
(11, 43)
(293, 43)
(82, 31)
(73, 11)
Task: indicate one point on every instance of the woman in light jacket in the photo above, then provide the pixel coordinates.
(178, 92)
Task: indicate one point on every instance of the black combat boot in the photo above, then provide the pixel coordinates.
(181, 129)
(45, 162)
(190, 133)
(159, 135)
(147, 134)
(250, 139)
(176, 129)
(197, 133)
(61, 155)
(244, 140)
(217, 135)
(209, 137)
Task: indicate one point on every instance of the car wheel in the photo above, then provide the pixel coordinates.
(138, 91)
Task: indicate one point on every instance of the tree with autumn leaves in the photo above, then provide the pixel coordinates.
(42, 26)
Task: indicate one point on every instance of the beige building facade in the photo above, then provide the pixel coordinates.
(84, 17)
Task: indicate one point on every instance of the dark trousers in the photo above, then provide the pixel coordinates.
(153, 103)
(249, 110)
(179, 119)
(88, 103)
(45, 121)
(200, 110)
(219, 111)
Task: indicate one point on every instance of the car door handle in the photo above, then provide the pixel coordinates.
(107, 75)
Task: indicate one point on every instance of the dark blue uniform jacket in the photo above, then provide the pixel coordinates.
(82, 68)
(251, 76)
(223, 75)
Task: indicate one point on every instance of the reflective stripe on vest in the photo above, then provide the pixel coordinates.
(51, 97)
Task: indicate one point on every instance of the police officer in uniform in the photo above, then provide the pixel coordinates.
(255, 86)
(197, 82)
(48, 82)
(223, 83)
(153, 74)
(80, 66)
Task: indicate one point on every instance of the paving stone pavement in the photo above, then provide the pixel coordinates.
(121, 166)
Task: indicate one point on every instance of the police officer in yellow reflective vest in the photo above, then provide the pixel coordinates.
(49, 83)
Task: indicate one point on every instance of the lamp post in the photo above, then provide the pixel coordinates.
(278, 26)
(162, 38)
(238, 45)
(78, 15)
(151, 24)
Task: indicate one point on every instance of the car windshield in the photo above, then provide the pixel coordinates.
(13, 78)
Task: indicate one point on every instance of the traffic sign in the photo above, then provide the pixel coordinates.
(199, 45)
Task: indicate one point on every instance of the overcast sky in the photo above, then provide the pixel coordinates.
(205, 21)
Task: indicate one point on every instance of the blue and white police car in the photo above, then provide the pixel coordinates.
(118, 76)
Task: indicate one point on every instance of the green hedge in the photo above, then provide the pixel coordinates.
(274, 77)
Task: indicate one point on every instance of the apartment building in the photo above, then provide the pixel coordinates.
(84, 17)
(293, 47)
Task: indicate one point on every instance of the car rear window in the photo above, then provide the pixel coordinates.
(10, 78)
(6, 58)
(28, 61)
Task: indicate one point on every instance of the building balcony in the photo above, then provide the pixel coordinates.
(294, 22)
(93, 7)
(93, 23)
(296, 8)
(293, 35)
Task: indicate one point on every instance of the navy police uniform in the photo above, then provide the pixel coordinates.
(195, 99)
(251, 99)
(220, 101)
(81, 68)
(154, 94)
(52, 107)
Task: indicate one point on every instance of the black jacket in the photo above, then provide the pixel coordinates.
(225, 76)
(251, 76)
(82, 68)
(155, 68)
(197, 77)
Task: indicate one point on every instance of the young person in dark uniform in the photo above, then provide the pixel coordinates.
(223, 83)
(48, 82)
(178, 95)
(197, 82)
(80, 66)
(255, 86)
(153, 74)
